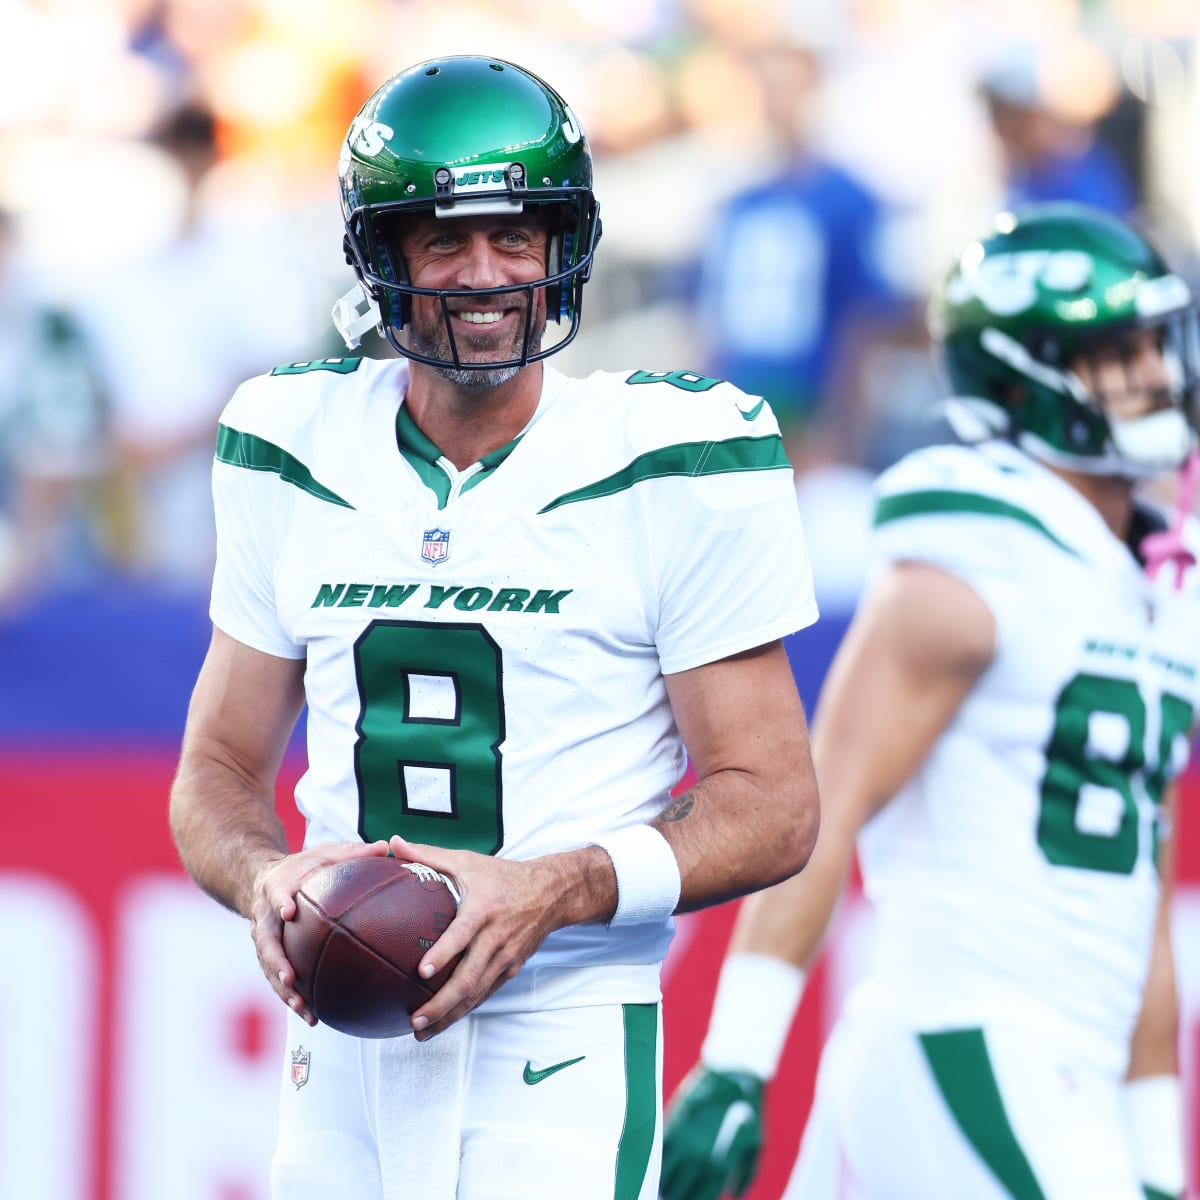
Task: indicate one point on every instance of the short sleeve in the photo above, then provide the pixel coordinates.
(243, 593)
(735, 571)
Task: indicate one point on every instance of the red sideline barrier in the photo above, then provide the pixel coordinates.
(140, 1048)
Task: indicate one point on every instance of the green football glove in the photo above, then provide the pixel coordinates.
(713, 1135)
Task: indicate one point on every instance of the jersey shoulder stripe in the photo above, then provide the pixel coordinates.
(945, 502)
(238, 449)
(972, 495)
(691, 459)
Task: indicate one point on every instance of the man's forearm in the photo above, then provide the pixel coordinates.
(225, 830)
(733, 834)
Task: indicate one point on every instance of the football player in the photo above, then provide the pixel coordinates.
(508, 599)
(998, 733)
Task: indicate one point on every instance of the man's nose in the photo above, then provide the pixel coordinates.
(1150, 369)
(479, 264)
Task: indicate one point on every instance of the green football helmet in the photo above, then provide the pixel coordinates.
(463, 136)
(1048, 283)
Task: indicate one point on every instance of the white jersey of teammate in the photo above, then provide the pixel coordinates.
(485, 648)
(1015, 873)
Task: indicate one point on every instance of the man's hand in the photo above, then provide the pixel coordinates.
(507, 909)
(274, 901)
(713, 1135)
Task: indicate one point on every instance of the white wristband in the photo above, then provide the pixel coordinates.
(756, 999)
(648, 882)
(1154, 1111)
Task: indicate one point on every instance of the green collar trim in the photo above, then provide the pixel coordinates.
(425, 458)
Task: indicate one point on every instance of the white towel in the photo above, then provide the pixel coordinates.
(419, 1113)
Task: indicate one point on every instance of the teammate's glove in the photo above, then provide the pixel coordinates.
(713, 1135)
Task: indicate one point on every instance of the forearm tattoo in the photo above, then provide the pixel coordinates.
(679, 808)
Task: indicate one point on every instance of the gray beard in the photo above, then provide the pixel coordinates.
(481, 378)
(476, 378)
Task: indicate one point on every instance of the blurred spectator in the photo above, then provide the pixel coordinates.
(1046, 103)
(794, 284)
(175, 331)
(53, 450)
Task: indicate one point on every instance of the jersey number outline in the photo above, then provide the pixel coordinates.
(430, 725)
(1070, 767)
(688, 381)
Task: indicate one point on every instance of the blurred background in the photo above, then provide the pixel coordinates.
(782, 183)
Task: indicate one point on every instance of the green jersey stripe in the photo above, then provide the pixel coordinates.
(960, 1064)
(686, 458)
(923, 504)
(257, 454)
(641, 1099)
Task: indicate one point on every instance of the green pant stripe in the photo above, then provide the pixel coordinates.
(1153, 1193)
(960, 1064)
(641, 1099)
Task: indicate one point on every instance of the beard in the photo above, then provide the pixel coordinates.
(433, 339)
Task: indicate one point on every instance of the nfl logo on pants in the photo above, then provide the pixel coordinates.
(435, 545)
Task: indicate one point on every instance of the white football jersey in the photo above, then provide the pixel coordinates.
(1016, 871)
(486, 648)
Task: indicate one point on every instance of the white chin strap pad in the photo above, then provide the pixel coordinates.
(1158, 442)
(354, 314)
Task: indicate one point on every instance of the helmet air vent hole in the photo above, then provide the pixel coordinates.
(433, 70)
(496, 66)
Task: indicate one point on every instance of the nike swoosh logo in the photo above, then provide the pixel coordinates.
(737, 1117)
(749, 416)
(531, 1076)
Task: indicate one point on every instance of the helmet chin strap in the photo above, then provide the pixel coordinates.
(1155, 443)
(351, 319)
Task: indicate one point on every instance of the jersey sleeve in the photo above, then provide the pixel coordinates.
(948, 507)
(734, 566)
(247, 506)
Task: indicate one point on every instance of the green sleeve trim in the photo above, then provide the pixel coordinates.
(692, 459)
(944, 502)
(257, 454)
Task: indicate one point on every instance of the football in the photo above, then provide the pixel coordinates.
(360, 931)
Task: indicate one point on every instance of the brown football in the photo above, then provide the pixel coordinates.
(360, 931)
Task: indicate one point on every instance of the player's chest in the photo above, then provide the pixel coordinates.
(1095, 626)
(471, 560)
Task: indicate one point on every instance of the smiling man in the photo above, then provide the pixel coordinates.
(509, 600)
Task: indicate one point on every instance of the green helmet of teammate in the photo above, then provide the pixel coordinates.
(1048, 283)
(463, 136)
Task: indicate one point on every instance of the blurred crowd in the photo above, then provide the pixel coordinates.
(782, 182)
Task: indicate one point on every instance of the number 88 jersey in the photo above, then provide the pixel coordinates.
(1017, 870)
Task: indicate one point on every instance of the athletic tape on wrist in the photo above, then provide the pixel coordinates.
(756, 999)
(1154, 1110)
(648, 882)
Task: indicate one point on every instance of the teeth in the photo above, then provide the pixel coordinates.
(481, 318)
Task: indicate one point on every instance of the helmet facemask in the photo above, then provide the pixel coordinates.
(1058, 288)
(374, 245)
(1062, 420)
(465, 136)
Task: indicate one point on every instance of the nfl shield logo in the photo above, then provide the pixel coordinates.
(300, 1060)
(435, 545)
